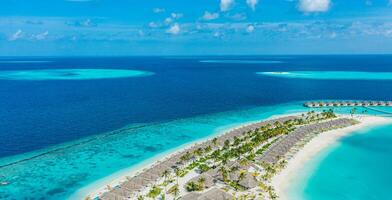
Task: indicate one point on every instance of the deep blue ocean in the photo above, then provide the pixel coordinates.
(37, 116)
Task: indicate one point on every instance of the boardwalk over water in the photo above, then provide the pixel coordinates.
(319, 104)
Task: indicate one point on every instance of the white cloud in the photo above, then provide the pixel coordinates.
(41, 36)
(174, 29)
(153, 25)
(173, 16)
(210, 16)
(17, 35)
(168, 20)
(158, 10)
(250, 28)
(309, 6)
(252, 3)
(176, 15)
(226, 5)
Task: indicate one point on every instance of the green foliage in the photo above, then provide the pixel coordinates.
(203, 168)
(192, 186)
(154, 192)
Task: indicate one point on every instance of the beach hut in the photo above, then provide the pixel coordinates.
(248, 182)
(208, 180)
(351, 103)
(191, 196)
(121, 192)
(308, 104)
(366, 103)
(381, 103)
(212, 194)
(216, 194)
(111, 196)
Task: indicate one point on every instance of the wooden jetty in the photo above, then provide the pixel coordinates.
(319, 104)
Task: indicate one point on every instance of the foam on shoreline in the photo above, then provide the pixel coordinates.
(99, 187)
(288, 176)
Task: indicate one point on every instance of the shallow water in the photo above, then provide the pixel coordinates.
(358, 167)
(335, 75)
(70, 74)
(88, 160)
(70, 123)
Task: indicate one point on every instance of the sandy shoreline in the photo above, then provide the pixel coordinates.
(100, 186)
(282, 181)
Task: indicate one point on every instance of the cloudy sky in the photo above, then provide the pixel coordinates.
(194, 27)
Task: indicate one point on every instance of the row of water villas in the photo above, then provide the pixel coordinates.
(346, 103)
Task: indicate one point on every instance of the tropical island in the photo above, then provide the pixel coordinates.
(240, 164)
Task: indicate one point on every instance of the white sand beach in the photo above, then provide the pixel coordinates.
(284, 179)
(101, 186)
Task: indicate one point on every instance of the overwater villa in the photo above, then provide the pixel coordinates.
(346, 103)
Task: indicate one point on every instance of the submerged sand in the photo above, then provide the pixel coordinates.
(289, 175)
(281, 181)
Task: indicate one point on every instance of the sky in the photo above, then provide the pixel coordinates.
(194, 27)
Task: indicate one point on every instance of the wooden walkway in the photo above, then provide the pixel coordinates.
(318, 104)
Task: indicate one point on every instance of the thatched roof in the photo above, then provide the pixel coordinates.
(248, 181)
(191, 196)
(216, 194)
(209, 180)
(212, 194)
(111, 196)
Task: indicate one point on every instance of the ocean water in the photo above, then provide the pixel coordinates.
(58, 136)
(334, 75)
(357, 168)
(70, 74)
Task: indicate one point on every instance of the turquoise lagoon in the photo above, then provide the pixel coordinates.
(358, 167)
(83, 162)
(337, 75)
(70, 74)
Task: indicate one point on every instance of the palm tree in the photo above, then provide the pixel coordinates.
(244, 162)
(224, 173)
(242, 175)
(177, 172)
(176, 191)
(165, 174)
(226, 144)
(140, 198)
(215, 141)
(202, 181)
